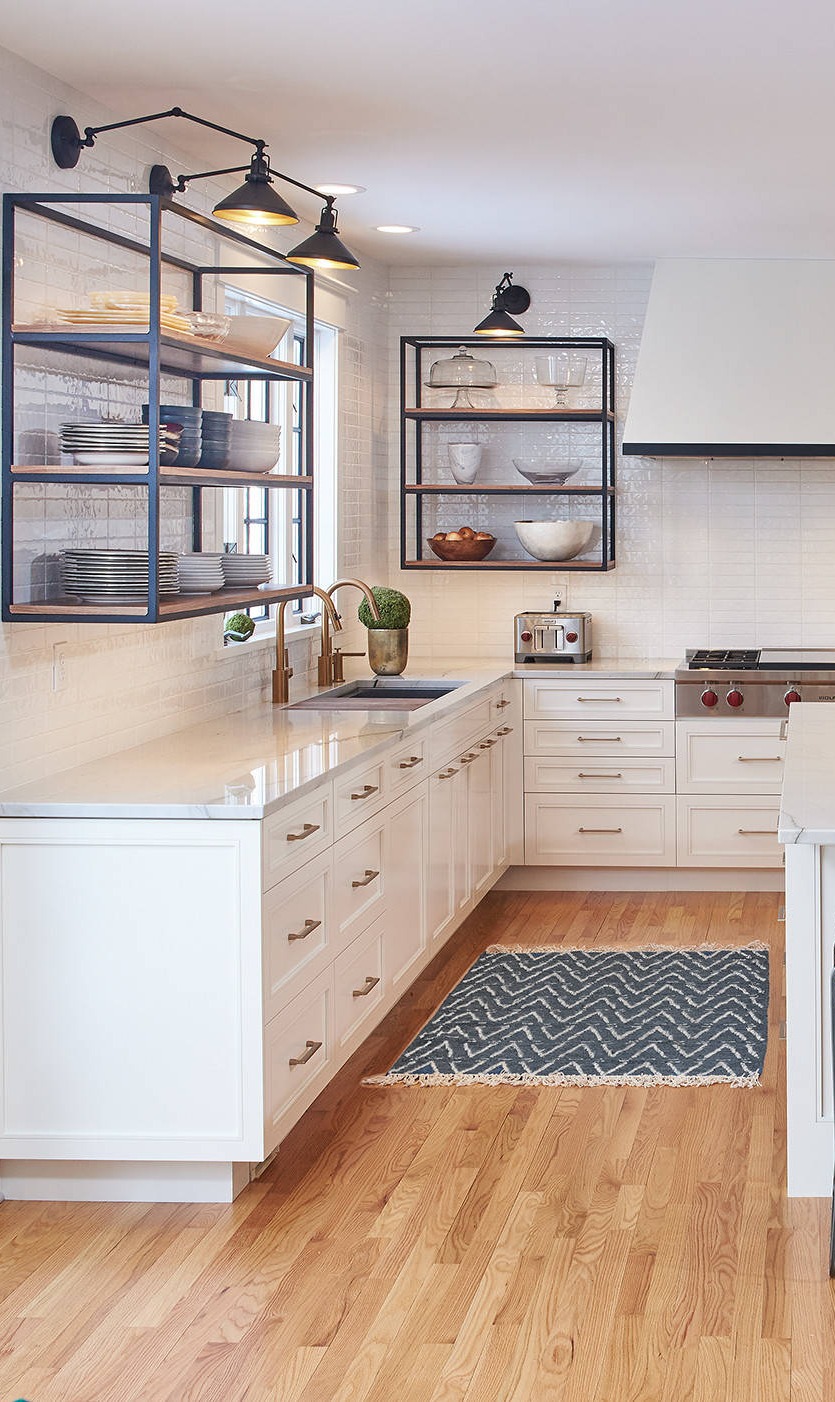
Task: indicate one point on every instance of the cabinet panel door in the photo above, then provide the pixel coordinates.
(617, 830)
(295, 834)
(405, 918)
(358, 987)
(361, 878)
(626, 774)
(358, 798)
(298, 1056)
(726, 831)
(729, 757)
(441, 895)
(498, 815)
(591, 699)
(599, 737)
(296, 932)
(480, 821)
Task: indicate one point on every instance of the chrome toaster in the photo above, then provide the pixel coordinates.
(552, 637)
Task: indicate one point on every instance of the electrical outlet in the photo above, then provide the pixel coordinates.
(59, 666)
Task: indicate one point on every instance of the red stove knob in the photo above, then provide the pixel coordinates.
(792, 696)
(709, 698)
(526, 636)
(734, 698)
(571, 637)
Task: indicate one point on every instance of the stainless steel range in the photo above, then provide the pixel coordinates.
(753, 681)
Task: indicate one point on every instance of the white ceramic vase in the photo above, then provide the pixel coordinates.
(464, 461)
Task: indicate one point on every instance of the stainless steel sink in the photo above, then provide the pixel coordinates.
(382, 694)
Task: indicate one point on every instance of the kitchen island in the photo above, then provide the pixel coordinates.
(807, 828)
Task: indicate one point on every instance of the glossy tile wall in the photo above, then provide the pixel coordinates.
(713, 553)
(118, 686)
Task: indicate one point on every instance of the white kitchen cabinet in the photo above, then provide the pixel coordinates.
(444, 896)
(359, 988)
(297, 932)
(590, 699)
(729, 756)
(295, 834)
(567, 738)
(405, 893)
(599, 830)
(728, 831)
(480, 819)
(298, 1058)
(620, 774)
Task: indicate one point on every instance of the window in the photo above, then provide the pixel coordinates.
(272, 522)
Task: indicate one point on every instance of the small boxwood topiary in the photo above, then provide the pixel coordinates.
(240, 626)
(395, 609)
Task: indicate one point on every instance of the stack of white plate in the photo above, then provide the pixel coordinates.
(116, 576)
(246, 571)
(201, 573)
(103, 445)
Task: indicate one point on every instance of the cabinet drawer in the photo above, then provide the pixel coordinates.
(359, 879)
(601, 831)
(728, 832)
(407, 765)
(450, 737)
(728, 757)
(599, 737)
(357, 798)
(358, 986)
(296, 932)
(589, 775)
(297, 1054)
(294, 835)
(588, 699)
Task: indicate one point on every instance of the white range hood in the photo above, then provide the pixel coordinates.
(737, 359)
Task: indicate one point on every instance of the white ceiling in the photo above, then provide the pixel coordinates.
(513, 132)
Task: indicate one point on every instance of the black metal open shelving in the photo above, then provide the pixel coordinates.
(158, 352)
(415, 416)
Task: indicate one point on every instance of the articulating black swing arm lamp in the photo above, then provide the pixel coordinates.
(254, 202)
(507, 298)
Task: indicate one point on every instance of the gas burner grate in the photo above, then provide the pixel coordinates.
(721, 659)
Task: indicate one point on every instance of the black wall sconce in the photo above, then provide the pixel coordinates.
(253, 202)
(507, 298)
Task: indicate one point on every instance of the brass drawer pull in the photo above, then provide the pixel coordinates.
(487, 744)
(367, 879)
(505, 730)
(447, 773)
(307, 929)
(600, 829)
(307, 831)
(760, 759)
(366, 988)
(600, 739)
(366, 792)
(599, 776)
(757, 832)
(312, 1048)
(467, 759)
(597, 699)
(411, 762)
(500, 705)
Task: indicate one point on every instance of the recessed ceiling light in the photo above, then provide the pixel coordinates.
(397, 228)
(334, 189)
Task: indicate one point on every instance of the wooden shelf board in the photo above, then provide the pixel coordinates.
(179, 354)
(533, 415)
(433, 489)
(169, 477)
(553, 565)
(183, 606)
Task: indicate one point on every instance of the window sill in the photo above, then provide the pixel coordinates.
(264, 637)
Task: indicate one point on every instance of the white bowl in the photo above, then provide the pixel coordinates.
(256, 336)
(554, 540)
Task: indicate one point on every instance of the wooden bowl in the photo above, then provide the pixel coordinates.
(461, 549)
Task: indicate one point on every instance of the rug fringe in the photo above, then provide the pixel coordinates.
(557, 1078)
(706, 947)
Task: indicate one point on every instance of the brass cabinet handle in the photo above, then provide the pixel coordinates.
(448, 773)
(307, 831)
(500, 705)
(366, 988)
(307, 929)
(487, 744)
(312, 1048)
(783, 724)
(600, 829)
(467, 759)
(599, 698)
(757, 832)
(411, 762)
(505, 730)
(365, 880)
(599, 776)
(600, 739)
(760, 759)
(366, 792)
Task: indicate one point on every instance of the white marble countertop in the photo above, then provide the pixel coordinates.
(250, 762)
(807, 806)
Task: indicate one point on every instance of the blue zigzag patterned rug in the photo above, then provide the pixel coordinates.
(658, 1016)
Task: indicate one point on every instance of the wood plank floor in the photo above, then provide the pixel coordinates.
(602, 1244)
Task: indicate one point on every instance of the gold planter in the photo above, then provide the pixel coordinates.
(388, 650)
